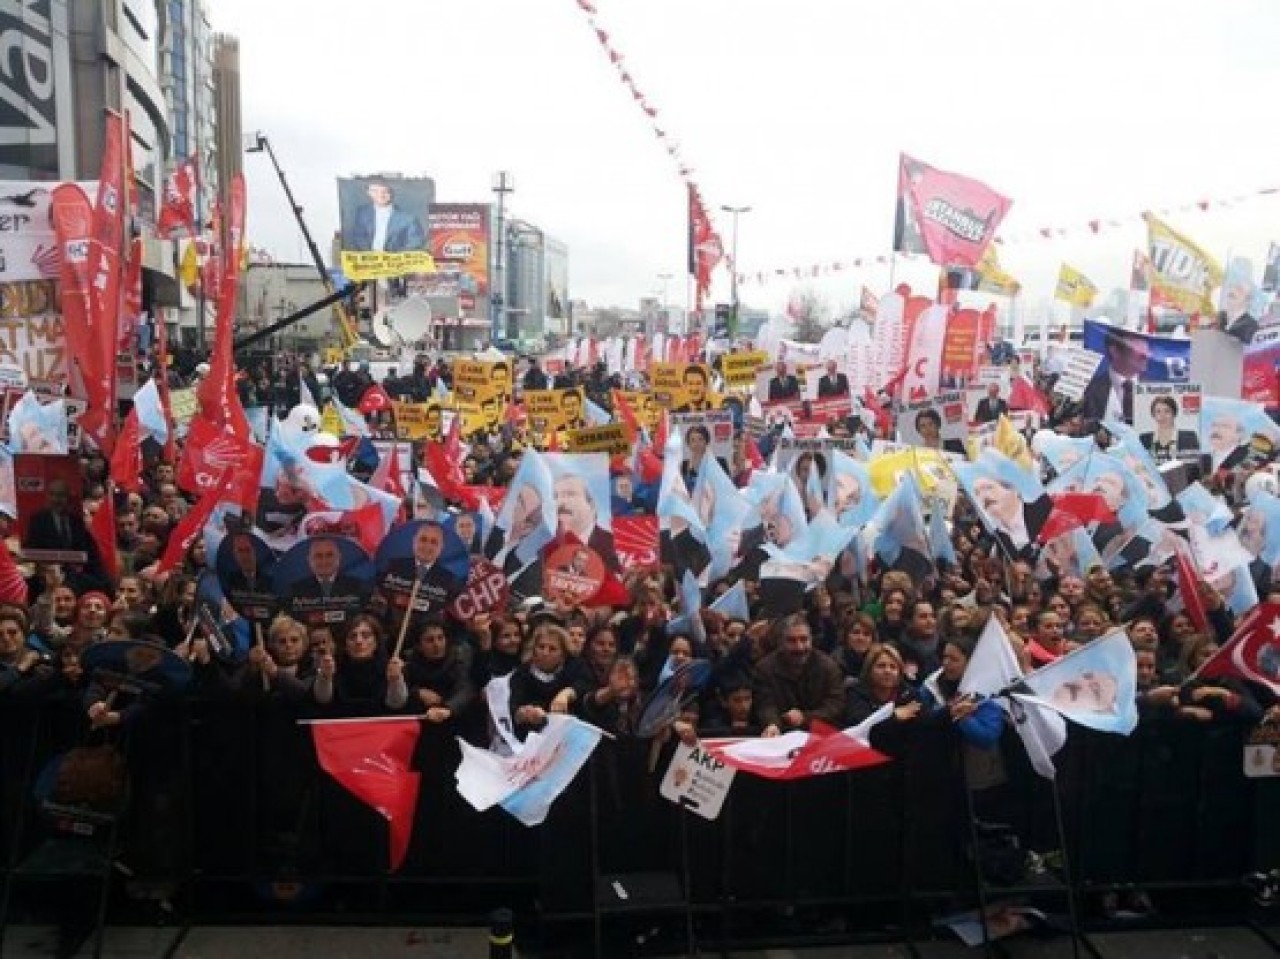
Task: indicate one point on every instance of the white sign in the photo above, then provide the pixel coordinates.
(1078, 369)
(1262, 752)
(697, 780)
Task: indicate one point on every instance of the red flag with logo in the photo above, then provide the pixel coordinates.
(1189, 588)
(1252, 652)
(371, 759)
(950, 217)
(705, 249)
(192, 525)
(178, 210)
(209, 451)
(635, 540)
(72, 215)
(825, 750)
(219, 401)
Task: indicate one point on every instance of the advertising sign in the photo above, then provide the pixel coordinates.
(460, 248)
(385, 226)
(1167, 419)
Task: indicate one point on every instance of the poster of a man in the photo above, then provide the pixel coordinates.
(697, 386)
(578, 514)
(1109, 395)
(324, 579)
(425, 553)
(384, 225)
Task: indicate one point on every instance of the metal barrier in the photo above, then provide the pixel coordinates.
(228, 802)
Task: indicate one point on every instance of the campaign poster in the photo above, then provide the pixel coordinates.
(1156, 359)
(1166, 417)
(740, 369)
(475, 381)
(1259, 380)
(809, 464)
(460, 248)
(34, 475)
(1078, 367)
(385, 226)
(645, 405)
(582, 500)
(246, 572)
(683, 387)
(418, 421)
(938, 423)
(718, 426)
(610, 438)
(553, 410)
(324, 580)
(424, 561)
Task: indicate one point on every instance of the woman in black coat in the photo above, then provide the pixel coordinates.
(550, 682)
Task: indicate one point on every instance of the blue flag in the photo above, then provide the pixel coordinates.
(1094, 686)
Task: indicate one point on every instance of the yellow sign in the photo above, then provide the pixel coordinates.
(333, 355)
(610, 439)
(929, 467)
(552, 410)
(645, 407)
(331, 422)
(740, 368)
(417, 421)
(184, 405)
(1183, 274)
(1074, 287)
(682, 387)
(479, 383)
(374, 265)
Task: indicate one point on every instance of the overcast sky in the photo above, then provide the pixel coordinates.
(798, 108)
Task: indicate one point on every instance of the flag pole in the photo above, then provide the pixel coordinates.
(408, 614)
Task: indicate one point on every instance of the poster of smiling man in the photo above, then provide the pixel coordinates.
(583, 514)
(245, 567)
(422, 566)
(1009, 499)
(324, 580)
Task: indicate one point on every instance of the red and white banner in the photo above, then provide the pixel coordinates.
(950, 217)
(635, 540)
(178, 210)
(800, 754)
(924, 357)
(1252, 652)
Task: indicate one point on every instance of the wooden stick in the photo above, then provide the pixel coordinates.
(408, 614)
(261, 644)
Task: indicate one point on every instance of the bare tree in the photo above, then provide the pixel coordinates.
(810, 313)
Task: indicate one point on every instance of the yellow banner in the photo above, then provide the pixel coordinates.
(417, 421)
(480, 417)
(1074, 287)
(331, 422)
(553, 410)
(740, 368)
(1183, 275)
(610, 439)
(929, 467)
(993, 278)
(333, 355)
(385, 266)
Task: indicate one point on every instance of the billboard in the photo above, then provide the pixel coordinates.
(460, 248)
(385, 226)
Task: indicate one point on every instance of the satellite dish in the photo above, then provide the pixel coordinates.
(406, 322)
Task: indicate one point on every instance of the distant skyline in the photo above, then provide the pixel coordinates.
(1075, 110)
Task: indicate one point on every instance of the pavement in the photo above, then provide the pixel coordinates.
(314, 942)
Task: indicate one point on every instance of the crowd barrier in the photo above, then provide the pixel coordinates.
(227, 802)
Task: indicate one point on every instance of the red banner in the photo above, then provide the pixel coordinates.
(219, 401)
(73, 222)
(371, 760)
(178, 211)
(950, 217)
(635, 540)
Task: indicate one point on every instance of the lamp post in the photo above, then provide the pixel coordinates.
(662, 307)
(502, 184)
(735, 211)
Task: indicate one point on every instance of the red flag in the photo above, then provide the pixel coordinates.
(470, 495)
(375, 400)
(13, 585)
(72, 216)
(1189, 588)
(1024, 396)
(387, 476)
(209, 451)
(635, 540)
(1252, 652)
(622, 411)
(827, 750)
(754, 459)
(178, 209)
(219, 401)
(106, 245)
(371, 758)
(126, 458)
(131, 314)
(1074, 511)
(705, 249)
(192, 525)
(102, 527)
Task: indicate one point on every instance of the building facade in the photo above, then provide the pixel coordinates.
(538, 303)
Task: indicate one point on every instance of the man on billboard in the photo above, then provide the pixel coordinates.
(695, 390)
(571, 410)
(834, 383)
(382, 226)
(1109, 394)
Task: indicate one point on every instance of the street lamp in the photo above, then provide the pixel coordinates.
(502, 184)
(734, 211)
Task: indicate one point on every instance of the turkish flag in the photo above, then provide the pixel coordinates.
(370, 759)
(1024, 396)
(1252, 652)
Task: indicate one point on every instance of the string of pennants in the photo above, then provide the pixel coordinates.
(651, 113)
(1092, 227)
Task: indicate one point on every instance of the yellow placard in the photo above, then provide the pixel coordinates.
(417, 421)
(183, 403)
(645, 406)
(611, 439)
(374, 265)
(553, 410)
(739, 369)
(333, 355)
(476, 381)
(682, 387)
(331, 422)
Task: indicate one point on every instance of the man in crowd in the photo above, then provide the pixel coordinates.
(797, 684)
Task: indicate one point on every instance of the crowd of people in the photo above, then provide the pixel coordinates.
(857, 640)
